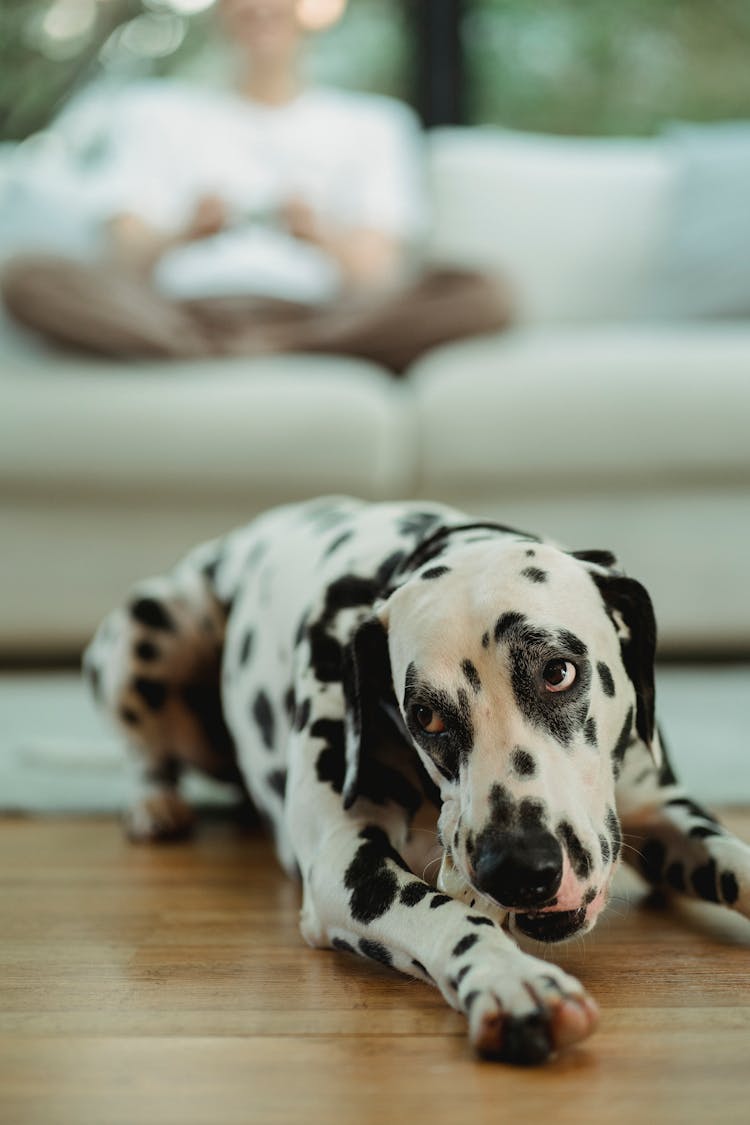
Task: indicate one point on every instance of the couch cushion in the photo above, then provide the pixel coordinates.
(573, 223)
(597, 407)
(287, 425)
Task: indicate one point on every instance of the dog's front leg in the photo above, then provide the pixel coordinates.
(674, 842)
(360, 897)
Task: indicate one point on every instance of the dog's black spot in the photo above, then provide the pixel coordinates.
(417, 523)
(344, 946)
(302, 715)
(651, 860)
(264, 720)
(534, 574)
(704, 882)
(348, 592)
(599, 558)
(523, 763)
(289, 703)
(477, 920)
(147, 651)
(464, 945)
(128, 715)
(691, 807)
(531, 813)
(94, 677)
(675, 876)
(703, 831)
(420, 966)
(210, 570)
(203, 700)
(589, 730)
(615, 832)
(469, 999)
(580, 857)
(502, 807)
(450, 748)
(623, 741)
(604, 848)
(381, 783)
(375, 951)
(435, 572)
(590, 895)
(571, 643)
(326, 655)
(152, 692)
(469, 670)
(339, 541)
(331, 764)
(277, 781)
(301, 631)
(531, 553)
(485, 640)
(729, 888)
(151, 612)
(461, 974)
(413, 893)
(529, 648)
(377, 836)
(373, 886)
(506, 622)
(246, 647)
(439, 900)
(606, 678)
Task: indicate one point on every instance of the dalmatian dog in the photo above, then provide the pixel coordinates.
(449, 726)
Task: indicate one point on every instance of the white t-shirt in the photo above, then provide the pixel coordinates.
(156, 147)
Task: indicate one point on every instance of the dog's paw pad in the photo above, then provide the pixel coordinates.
(522, 1040)
(159, 817)
(525, 1019)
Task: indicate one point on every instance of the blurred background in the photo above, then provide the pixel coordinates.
(591, 157)
(581, 67)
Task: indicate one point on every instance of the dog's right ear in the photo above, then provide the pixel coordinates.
(367, 680)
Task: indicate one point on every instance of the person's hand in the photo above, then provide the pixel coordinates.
(209, 218)
(301, 221)
(133, 244)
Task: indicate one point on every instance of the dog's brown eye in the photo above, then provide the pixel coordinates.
(559, 675)
(429, 720)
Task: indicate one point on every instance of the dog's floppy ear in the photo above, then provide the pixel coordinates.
(595, 555)
(367, 680)
(632, 613)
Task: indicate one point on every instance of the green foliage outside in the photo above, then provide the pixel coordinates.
(606, 66)
(561, 66)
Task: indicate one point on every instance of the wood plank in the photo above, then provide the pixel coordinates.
(171, 985)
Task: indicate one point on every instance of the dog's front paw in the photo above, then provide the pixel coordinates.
(522, 1010)
(158, 818)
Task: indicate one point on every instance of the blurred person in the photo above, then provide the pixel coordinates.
(273, 217)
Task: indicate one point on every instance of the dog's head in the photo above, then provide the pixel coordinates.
(522, 673)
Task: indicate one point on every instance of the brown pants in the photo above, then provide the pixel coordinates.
(98, 308)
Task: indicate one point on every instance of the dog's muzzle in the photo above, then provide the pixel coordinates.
(554, 925)
(521, 872)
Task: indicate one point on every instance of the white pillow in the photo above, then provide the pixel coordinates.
(704, 267)
(571, 222)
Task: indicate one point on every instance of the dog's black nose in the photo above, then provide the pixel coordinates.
(520, 870)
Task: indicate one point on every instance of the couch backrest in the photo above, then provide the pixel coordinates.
(573, 223)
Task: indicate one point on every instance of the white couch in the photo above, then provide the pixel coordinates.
(589, 420)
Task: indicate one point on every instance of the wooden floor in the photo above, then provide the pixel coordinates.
(170, 985)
